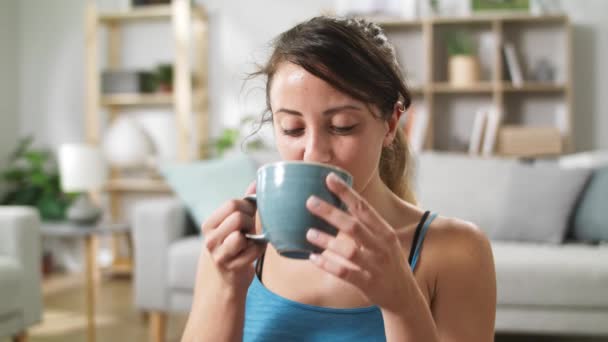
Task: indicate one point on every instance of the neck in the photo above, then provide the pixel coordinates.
(380, 196)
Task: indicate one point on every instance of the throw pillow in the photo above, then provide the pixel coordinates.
(591, 218)
(469, 188)
(204, 185)
(539, 202)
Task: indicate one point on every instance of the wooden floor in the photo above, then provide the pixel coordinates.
(117, 320)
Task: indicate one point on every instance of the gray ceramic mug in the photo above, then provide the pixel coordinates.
(282, 190)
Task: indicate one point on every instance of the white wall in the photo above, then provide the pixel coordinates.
(51, 70)
(9, 77)
(52, 52)
(590, 72)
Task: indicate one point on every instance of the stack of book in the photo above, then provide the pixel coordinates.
(513, 65)
(485, 131)
(414, 124)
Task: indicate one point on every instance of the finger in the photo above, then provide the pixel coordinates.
(343, 221)
(220, 215)
(232, 246)
(237, 221)
(338, 267)
(341, 245)
(251, 188)
(247, 256)
(355, 204)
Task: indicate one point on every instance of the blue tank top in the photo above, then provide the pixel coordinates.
(272, 318)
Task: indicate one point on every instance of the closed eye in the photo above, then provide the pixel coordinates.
(293, 132)
(343, 129)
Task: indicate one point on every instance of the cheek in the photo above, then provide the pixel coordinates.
(359, 155)
(362, 162)
(288, 148)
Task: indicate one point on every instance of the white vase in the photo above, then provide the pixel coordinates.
(161, 128)
(126, 145)
(463, 70)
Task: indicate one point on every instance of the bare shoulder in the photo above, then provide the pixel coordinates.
(458, 249)
(454, 235)
(462, 280)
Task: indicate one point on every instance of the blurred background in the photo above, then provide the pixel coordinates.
(123, 123)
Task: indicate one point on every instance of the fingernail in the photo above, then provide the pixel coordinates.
(314, 201)
(312, 234)
(334, 177)
(314, 257)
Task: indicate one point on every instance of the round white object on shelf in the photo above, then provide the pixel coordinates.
(126, 144)
(161, 128)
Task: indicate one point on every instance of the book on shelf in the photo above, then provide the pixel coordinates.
(562, 121)
(415, 126)
(493, 121)
(479, 125)
(513, 65)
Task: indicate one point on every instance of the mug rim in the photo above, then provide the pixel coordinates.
(300, 162)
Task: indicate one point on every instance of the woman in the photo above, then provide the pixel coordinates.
(335, 95)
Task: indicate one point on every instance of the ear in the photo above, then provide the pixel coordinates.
(393, 124)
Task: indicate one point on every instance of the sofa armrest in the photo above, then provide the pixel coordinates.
(156, 224)
(20, 239)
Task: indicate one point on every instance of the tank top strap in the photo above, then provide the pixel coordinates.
(419, 235)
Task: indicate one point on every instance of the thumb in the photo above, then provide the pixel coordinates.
(251, 188)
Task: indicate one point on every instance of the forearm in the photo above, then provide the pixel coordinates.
(216, 316)
(411, 319)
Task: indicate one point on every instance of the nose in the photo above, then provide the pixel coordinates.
(317, 148)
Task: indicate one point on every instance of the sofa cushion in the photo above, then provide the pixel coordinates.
(466, 187)
(540, 201)
(183, 260)
(204, 185)
(568, 275)
(10, 281)
(591, 218)
(510, 200)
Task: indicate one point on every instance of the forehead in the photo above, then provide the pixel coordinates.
(293, 85)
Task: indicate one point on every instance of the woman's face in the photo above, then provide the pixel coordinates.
(317, 123)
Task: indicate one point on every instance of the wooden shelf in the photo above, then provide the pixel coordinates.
(416, 90)
(557, 18)
(489, 18)
(445, 87)
(149, 12)
(533, 87)
(114, 100)
(395, 22)
(390, 22)
(137, 185)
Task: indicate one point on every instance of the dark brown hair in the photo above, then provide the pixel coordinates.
(355, 57)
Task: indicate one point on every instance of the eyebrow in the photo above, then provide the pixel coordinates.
(329, 111)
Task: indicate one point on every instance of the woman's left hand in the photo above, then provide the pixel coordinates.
(366, 252)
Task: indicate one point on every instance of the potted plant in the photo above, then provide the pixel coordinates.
(164, 77)
(31, 178)
(463, 65)
(229, 140)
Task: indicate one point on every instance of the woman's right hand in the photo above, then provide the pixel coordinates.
(227, 256)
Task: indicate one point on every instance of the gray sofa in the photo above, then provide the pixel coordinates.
(20, 289)
(547, 284)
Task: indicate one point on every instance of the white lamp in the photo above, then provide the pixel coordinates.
(82, 169)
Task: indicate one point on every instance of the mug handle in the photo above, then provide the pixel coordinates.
(258, 238)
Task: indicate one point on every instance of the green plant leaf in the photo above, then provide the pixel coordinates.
(50, 208)
(32, 179)
(13, 175)
(22, 146)
(460, 42)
